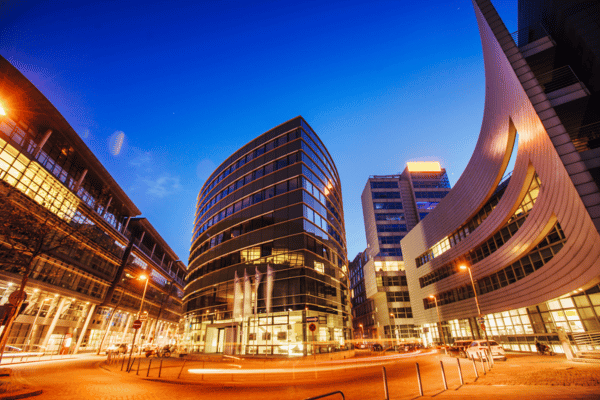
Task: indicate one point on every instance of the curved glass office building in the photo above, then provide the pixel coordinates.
(268, 263)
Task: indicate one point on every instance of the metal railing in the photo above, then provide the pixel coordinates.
(587, 342)
(327, 395)
(558, 79)
(586, 137)
(524, 36)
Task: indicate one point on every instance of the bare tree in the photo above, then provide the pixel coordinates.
(27, 231)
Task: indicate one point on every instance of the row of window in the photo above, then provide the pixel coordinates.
(392, 228)
(63, 171)
(391, 280)
(390, 239)
(400, 331)
(397, 296)
(389, 217)
(252, 176)
(388, 206)
(461, 233)
(475, 255)
(430, 195)
(277, 142)
(534, 260)
(397, 252)
(384, 184)
(401, 312)
(270, 192)
(385, 195)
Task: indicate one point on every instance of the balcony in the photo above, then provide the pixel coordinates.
(532, 40)
(562, 86)
(587, 137)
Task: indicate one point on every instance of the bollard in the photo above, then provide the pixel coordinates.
(462, 381)
(130, 366)
(385, 385)
(491, 363)
(487, 360)
(482, 363)
(419, 380)
(160, 368)
(443, 375)
(475, 368)
(181, 369)
(138, 368)
(149, 364)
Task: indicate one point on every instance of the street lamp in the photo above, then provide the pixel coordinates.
(480, 315)
(143, 277)
(437, 308)
(362, 332)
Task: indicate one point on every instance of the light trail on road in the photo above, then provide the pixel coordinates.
(340, 365)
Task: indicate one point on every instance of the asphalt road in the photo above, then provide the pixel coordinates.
(91, 378)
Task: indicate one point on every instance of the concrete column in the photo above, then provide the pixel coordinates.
(80, 181)
(127, 324)
(153, 248)
(91, 310)
(59, 309)
(106, 207)
(142, 237)
(43, 142)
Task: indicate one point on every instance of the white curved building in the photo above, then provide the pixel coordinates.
(531, 241)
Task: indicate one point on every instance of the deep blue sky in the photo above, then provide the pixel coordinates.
(190, 82)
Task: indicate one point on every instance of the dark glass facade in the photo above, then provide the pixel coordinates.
(275, 203)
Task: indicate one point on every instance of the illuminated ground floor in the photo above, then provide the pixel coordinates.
(290, 333)
(55, 323)
(577, 315)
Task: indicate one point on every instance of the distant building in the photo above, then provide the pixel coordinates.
(392, 206)
(532, 243)
(268, 267)
(78, 294)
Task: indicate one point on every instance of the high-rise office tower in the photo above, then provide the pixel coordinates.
(268, 265)
(392, 206)
(531, 244)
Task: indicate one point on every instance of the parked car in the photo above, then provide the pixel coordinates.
(120, 348)
(460, 347)
(376, 347)
(479, 348)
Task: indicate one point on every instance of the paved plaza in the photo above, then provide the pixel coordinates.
(92, 377)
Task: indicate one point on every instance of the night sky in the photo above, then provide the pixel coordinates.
(190, 82)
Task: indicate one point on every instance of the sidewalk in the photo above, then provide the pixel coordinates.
(13, 387)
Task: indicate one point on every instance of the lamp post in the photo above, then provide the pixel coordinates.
(480, 315)
(143, 277)
(439, 319)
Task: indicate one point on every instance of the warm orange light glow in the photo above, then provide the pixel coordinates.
(424, 166)
(143, 277)
(2, 112)
(432, 297)
(463, 267)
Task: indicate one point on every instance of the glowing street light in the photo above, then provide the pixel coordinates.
(439, 319)
(480, 315)
(143, 277)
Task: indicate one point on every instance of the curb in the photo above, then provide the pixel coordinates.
(22, 395)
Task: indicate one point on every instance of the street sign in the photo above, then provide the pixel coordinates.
(312, 319)
(137, 324)
(481, 320)
(144, 317)
(16, 296)
(312, 327)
